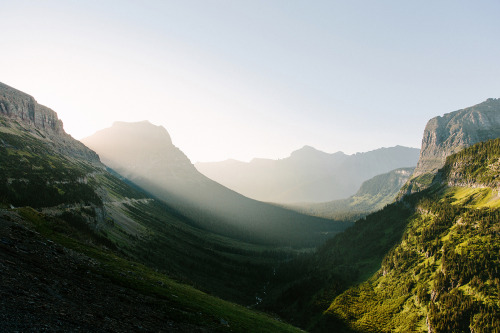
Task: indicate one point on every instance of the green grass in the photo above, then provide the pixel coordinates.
(474, 197)
(459, 241)
(186, 303)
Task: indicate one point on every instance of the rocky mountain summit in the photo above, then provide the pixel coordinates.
(450, 133)
(23, 111)
(16, 104)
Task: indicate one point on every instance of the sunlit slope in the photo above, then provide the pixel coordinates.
(144, 153)
(442, 275)
(396, 253)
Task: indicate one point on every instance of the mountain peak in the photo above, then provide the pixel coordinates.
(448, 134)
(139, 130)
(307, 152)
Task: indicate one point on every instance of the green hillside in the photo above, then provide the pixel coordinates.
(430, 260)
(443, 274)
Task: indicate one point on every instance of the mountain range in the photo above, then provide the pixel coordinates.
(307, 175)
(148, 245)
(144, 154)
(425, 263)
(79, 244)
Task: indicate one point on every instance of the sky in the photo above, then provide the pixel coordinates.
(244, 79)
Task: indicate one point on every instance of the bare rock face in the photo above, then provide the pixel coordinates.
(446, 135)
(18, 109)
(16, 104)
(449, 134)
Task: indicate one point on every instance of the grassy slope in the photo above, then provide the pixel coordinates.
(127, 219)
(444, 271)
(303, 288)
(186, 304)
(407, 240)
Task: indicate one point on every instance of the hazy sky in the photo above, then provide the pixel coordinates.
(242, 79)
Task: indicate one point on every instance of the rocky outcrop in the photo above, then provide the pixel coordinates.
(20, 110)
(449, 134)
(454, 131)
(23, 107)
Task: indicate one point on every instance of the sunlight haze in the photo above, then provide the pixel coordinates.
(245, 79)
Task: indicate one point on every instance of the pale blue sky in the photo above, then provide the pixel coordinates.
(243, 79)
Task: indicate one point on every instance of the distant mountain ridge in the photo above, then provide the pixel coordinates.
(307, 175)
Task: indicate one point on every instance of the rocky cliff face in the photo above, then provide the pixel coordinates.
(454, 131)
(449, 134)
(23, 107)
(20, 110)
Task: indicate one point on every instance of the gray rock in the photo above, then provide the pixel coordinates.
(446, 135)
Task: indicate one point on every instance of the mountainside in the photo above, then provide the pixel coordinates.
(450, 133)
(54, 278)
(373, 195)
(145, 154)
(443, 275)
(428, 263)
(308, 175)
(72, 231)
